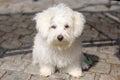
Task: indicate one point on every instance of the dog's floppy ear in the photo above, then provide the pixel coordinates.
(79, 21)
(43, 21)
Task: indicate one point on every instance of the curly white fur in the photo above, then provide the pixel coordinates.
(50, 52)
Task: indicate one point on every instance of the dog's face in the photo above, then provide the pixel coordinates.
(61, 31)
(60, 26)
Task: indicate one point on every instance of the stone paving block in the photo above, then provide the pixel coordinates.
(16, 76)
(85, 37)
(115, 70)
(2, 72)
(27, 57)
(32, 69)
(10, 44)
(27, 39)
(118, 77)
(97, 76)
(7, 58)
(32, 25)
(5, 28)
(101, 67)
(106, 77)
(108, 49)
(10, 36)
(37, 77)
(17, 6)
(102, 56)
(90, 50)
(88, 76)
(0, 63)
(59, 76)
(72, 4)
(1, 40)
(1, 33)
(14, 66)
(113, 59)
(22, 31)
(114, 30)
(93, 51)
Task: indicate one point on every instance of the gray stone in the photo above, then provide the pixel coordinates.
(90, 50)
(115, 70)
(16, 76)
(102, 55)
(72, 4)
(1, 33)
(22, 31)
(32, 26)
(59, 76)
(1, 40)
(27, 57)
(88, 76)
(94, 51)
(16, 6)
(101, 67)
(27, 39)
(10, 40)
(10, 36)
(2, 52)
(15, 66)
(37, 77)
(7, 28)
(2, 72)
(97, 76)
(32, 69)
(106, 77)
(4, 9)
(85, 36)
(108, 49)
(7, 58)
(113, 59)
(1, 62)
(22, 24)
(10, 44)
(118, 77)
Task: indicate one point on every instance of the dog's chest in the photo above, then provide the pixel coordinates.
(62, 59)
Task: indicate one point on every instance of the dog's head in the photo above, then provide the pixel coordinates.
(60, 25)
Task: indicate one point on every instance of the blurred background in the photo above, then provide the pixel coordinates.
(21, 6)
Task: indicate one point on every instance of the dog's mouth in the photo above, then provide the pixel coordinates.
(62, 43)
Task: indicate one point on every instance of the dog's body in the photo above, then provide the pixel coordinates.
(57, 43)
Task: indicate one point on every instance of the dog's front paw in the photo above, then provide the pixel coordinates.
(76, 73)
(45, 72)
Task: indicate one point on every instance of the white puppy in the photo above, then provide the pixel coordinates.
(57, 43)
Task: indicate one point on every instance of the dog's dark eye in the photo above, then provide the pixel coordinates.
(53, 27)
(66, 26)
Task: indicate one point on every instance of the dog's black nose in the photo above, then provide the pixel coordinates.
(60, 37)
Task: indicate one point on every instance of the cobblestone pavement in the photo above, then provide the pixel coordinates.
(23, 6)
(101, 42)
